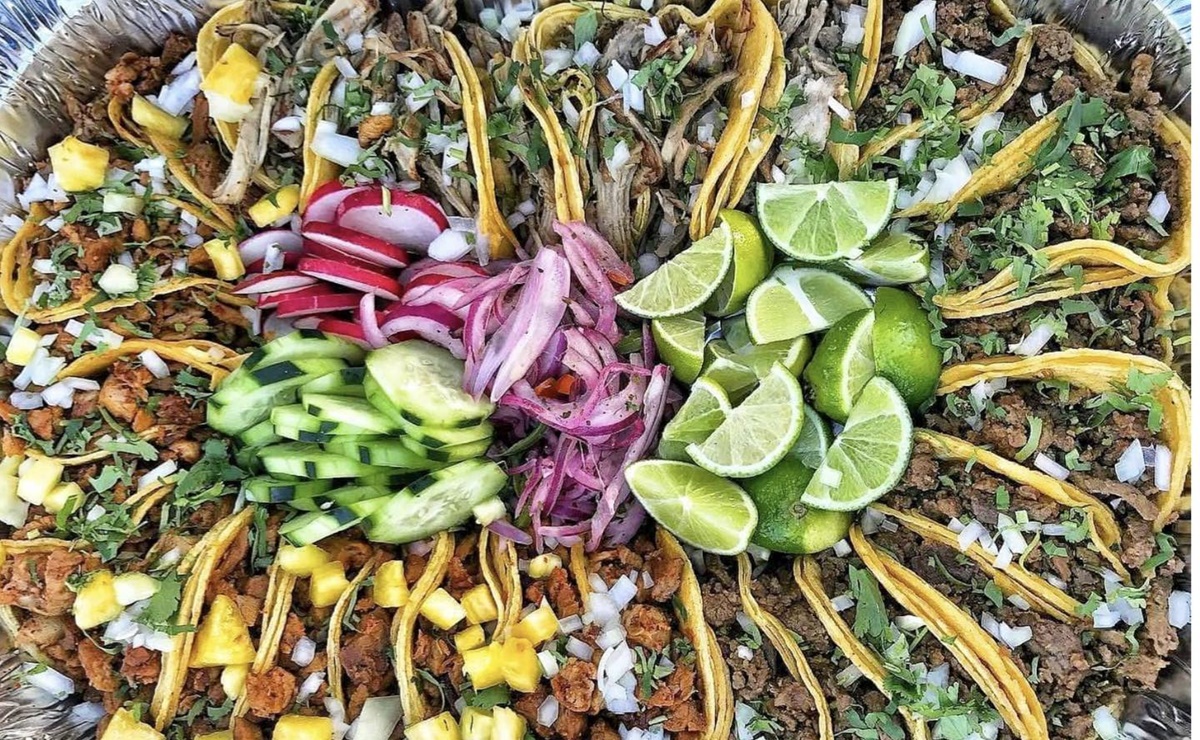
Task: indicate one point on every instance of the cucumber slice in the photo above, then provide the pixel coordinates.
(434, 437)
(303, 344)
(454, 453)
(386, 451)
(317, 525)
(439, 501)
(259, 435)
(347, 410)
(271, 490)
(425, 383)
(247, 396)
(348, 382)
(310, 461)
(393, 480)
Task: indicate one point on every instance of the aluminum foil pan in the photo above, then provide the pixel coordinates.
(51, 49)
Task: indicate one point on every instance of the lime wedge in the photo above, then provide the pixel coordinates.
(893, 259)
(703, 411)
(814, 439)
(684, 282)
(752, 257)
(904, 350)
(792, 354)
(869, 456)
(702, 509)
(758, 432)
(794, 301)
(723, 367)
(680, 341)
(819, 222)
(784, 523)
(842, 365)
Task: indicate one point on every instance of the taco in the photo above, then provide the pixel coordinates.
(646, 116)
(1081, 415)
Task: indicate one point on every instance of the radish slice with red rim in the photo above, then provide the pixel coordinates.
(350, 276)
(323, 203)
(356, 244)
(316, 249)
(347, 329)
(432, 323)
(254, 248)
(271, 300)
(274, 282)
(370, 322)
(290, 260)
(408, 220)
(315, 304)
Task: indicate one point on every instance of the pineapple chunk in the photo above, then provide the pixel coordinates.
(520, 666)
(221, 735)
(328, 584)
(442, 609)
(233, 680)
(479, 605)
(300, 561)
(390, 589)
(77, 165)
(469, 639)
(230, 84)
(227, 261)
(131, 588)
(275, 206)
(543, 565)
(507, 724)
(223, 638)
(124, 726)
(96, 601)
(38, 479)
(14, 511)
(152, 118)
(63, 496)
(441, 727)
(296, 727)
(476, 724)
(21, 346)
(482, 666)
(539, 625)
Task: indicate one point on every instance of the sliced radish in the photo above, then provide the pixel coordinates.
(271, 300)
(308, 322)
(370, 321)
(291, 308)
(316, 249)
(323, 203)
(290, 260)
(431, 323)
(274, 282)
(254, 248)
(427, 267)
(347, 329)
(350, 276)
(409, 220)
(363, 246)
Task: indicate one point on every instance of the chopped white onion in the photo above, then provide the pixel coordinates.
(449, 246)
(908, 150)
(623, 591)
(1019, 602)
(970, 534)
(49, 680)
(549, 663)
(118, 279)
(617, 75)
(611, 636)
(744, 652)
(653, 32)
(155, 364)
(311, 685)
(1015, 637)
(1004, 559)
(567, 625)
(597, 584)
(849, 675)
(841, 548)
(1159, 207)
(1104, 617)
(870, 521)
(556, 60)
(157, 473)
(1131, 465)
(620, 156)
(909, 622)
(579, 649)
(1010, 533)
(345, 67)
(1105, 723)
(26, 400)
(1033, 342)
(587, 55)
(304, 652)
(948, 180)
(547, 713)
(912, 27)
(328, 144)
(839, 110)
(939, 675)
(1179, 609)
(842, 602)
(981, 68)
(853, 29)
(1051, 468)
(1162, 467)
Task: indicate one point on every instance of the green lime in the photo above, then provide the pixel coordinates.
(892, 259)
(703, 411)
(758, 432)
(702, 509)
(724, 367)
(684, 282)
(869, 456)
(842, 365)
(904, 349)
(794, 301)
(814, 439)
(784, 523)
(819, 222)
(752, 257)
(792, 353)
(680, 341)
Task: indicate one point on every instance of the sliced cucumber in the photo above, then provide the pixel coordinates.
(259, 435)
(347, 410)
(386, 451)
(317, 525)
(393, 480)
(247, 396)
(310, 461)
(454, 453)
(439, 501)
(424, 382)
(435, 437)
(303, 344)
(348, 382)
(271, 490)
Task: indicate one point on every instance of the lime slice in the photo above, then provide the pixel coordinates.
(752, 258)
(842, 365)
(724, 367)
(904, 349)
(703, 411)
(814, 439)
(702, 509)
(784, 523)
(684, 282)
(758, 432)
(792, 354)
(819, 222)
(795, 301)
(893, 259)
(869, 456)
(680, 341)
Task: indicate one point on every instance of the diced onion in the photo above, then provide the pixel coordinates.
(1010, 533)
(949, 180)
(328, 144)
(1104, 618)
(1162, 467)
(449, 246)
(1015, 637)
(1105, 723)
(841, 548)
(744, 652)
(157, 473)
(612, 636)
(1019, 601)
(841, 602)
(556, 60)
(909, 622)
(620, 156)
(49, 680)
(839, 110)
(567, 625)
(117, 279)
(311, 685)
(981, 68)
(1039, 105)
(653, 32)
(623, 591)
(597, 584)
(1179, 609)
(908, 150)
(617, 75)
(1033, 342)
(345, 67)
(1159, 207)
(870, 521)
(587, 55)
(848, 675)
(549, 663)
(304, 652)
(971, 533)
(155, 364)
(912, 27)
(26, 400)
(1004, 559)
(853, 29)
(1051, 468)
(939, 675)
(1131, 465)
(990, 624)
(579, 649)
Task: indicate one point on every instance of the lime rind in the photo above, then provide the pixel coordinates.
(680, 341)
(795, 301)
(842, 365)
(701, 413)
(752, 259)
(819, 222)
(700, 508)
(814, 439)
(893, 259)
(684, 282)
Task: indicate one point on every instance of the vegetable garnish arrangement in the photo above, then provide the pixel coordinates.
(734, 371)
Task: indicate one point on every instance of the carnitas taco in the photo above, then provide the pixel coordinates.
(646, 116)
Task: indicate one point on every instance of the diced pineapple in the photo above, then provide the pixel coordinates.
(520, 666)
(543, 565)
(152, 118)
(221, 735)
(124, 726)
(131, 588)
(469, 639)
(14, 511)
(275, 206)
(479, 605)
(328, 584)
(297, 727)
(63, 496)
(441, 727)
(482, 666)
(42, 476)
(96, 601)
(227, 261)
(77, 165)
(230, 84)
(391, 588)
(233, 680)
(539, 625)
(223, 638)
(442, 609)
(476, 724)
(21, 346)
(507, 724)
(300, 561)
